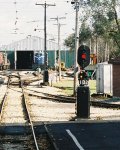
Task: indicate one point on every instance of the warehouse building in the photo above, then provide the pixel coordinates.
(21, 54)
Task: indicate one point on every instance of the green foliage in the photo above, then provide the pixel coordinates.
(85, 33)
(116, 37)
(101, 21)
(70, 41)
(105, 18)
(110, 15)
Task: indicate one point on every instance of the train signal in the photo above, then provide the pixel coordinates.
(83, 75)
(83, 57)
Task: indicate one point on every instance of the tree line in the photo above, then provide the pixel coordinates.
(100, 28)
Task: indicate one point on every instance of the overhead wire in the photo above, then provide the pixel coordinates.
(16, 17)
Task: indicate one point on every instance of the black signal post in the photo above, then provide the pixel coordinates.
(46, 75)
(83, 92)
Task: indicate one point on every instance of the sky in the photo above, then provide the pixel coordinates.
(19, 18)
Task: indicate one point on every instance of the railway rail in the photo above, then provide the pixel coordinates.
(30, 140)
(58, 98)
(70, 99)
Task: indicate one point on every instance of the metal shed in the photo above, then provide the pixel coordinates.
(104, 78)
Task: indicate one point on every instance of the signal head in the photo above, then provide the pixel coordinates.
(83, 56)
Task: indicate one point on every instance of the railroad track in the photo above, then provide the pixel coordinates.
(58, 98)
(70, 99)
(33, 137)
(15, 110)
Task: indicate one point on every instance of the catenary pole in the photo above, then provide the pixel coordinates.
(59, 42)
(46, 76)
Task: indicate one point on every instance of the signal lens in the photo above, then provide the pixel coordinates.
(83, 56)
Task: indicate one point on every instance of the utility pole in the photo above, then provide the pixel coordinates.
(76, 7)
(59, 43)
(46, 75)
(59, 55)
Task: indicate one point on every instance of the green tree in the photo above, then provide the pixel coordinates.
(100, 22)
(105, 19)
(70, 41)
(85, 33)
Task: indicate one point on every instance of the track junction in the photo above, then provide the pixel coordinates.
(20, 130)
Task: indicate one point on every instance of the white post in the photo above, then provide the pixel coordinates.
(76, 44)
(59, 59)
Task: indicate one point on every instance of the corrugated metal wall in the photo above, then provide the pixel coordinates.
(11, 58)
(31, 43)
(66, 56)
(51, 58)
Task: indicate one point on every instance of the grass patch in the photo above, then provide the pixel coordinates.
(92, 85)
(67, 86)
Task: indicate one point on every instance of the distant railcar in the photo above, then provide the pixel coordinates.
(38, 60)
(4, 62)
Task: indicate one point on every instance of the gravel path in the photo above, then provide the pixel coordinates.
(2, 91)
(3, 87)
(13, 107)
(45, 110)
(104, 114)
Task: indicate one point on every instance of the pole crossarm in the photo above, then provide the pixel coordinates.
(46, 4)
(58, 18)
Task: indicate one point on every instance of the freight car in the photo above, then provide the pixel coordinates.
(4, 62)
